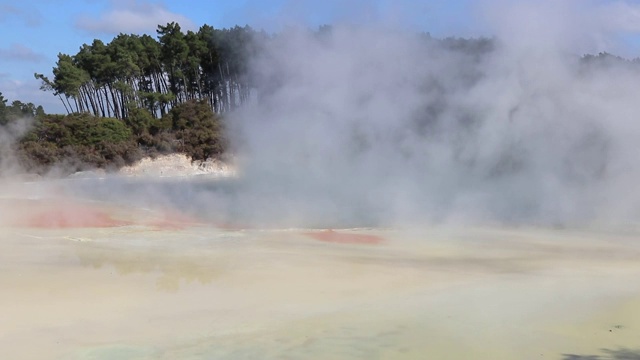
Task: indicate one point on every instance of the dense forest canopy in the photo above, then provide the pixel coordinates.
(156, 74)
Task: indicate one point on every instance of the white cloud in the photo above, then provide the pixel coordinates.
(18, 52)
(132, 17)
(30, 16)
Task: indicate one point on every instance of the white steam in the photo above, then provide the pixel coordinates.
(9, 136)
(373, 125)
(376, 125)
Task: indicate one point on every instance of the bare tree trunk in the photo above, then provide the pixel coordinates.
(110, 109)
(63, 104)
(114, 98)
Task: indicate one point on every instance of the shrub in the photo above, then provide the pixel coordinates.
(138, 120)
(198, 129)
(77, 141)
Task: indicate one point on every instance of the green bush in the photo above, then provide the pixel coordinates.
(80, 141)
(76, 142)
(198, 130)
(138, 120)
(86, 129)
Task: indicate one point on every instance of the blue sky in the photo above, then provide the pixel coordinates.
(35, 31)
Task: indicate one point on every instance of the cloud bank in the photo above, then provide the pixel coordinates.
(132, 17)
(30, 16)
(18, 52)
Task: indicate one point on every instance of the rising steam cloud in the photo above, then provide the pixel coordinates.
(378, 125)
(373, 125)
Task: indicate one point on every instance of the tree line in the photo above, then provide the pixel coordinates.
(132, 71)
(17, 110)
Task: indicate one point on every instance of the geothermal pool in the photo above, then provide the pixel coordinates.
(86, 279)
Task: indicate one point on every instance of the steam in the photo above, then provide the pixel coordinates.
(377, 125)
(10, 167)
(9, 135)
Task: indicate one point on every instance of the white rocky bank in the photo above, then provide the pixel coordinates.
(175, 165)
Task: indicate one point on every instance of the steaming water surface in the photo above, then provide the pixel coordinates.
(198, 290)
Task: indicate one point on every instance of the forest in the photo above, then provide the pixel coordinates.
(139, 96)
(134, 71)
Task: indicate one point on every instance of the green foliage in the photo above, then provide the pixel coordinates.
(38, 156)
(162, 125)
(198, 130)
(69, 77)
(17, 110)
(85, 129)
(77, 141)
(138, 120)
(107, 79)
